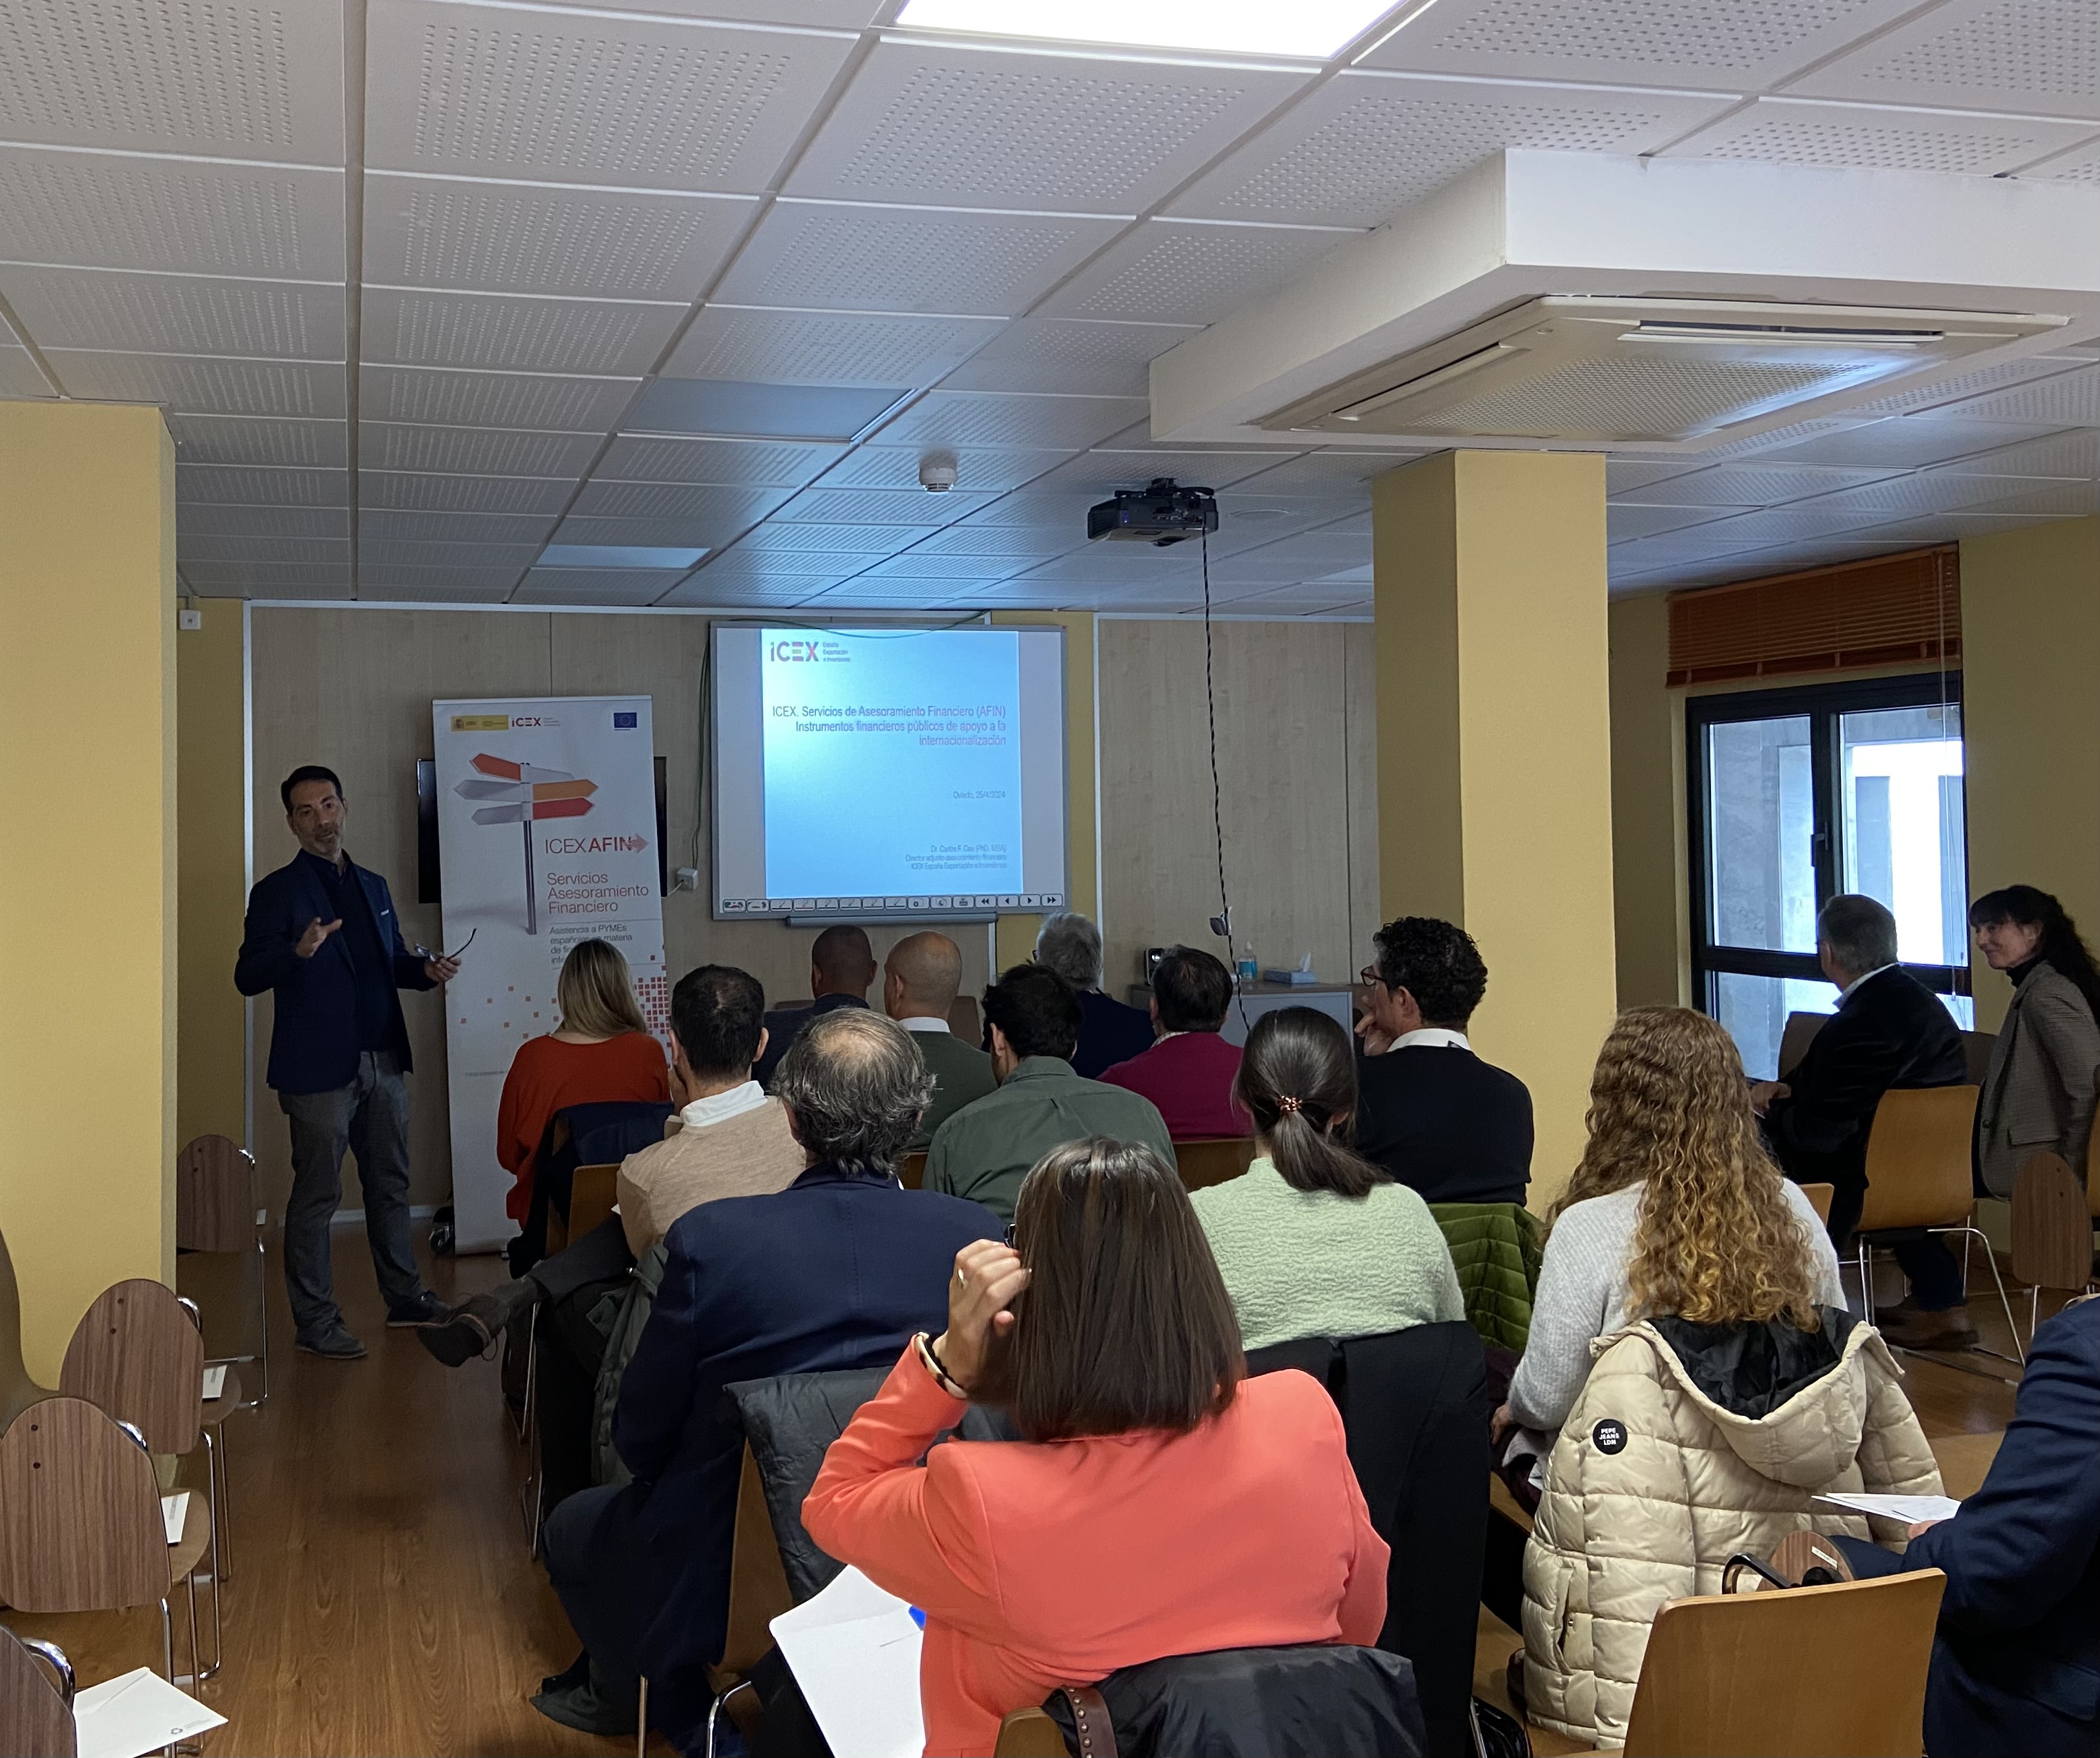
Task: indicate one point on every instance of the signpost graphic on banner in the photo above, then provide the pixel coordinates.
(576, 776)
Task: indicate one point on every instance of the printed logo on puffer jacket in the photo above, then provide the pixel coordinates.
(1610, 1436)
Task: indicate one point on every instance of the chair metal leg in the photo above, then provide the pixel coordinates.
(1866, 1284)
(197, 1674)
(715, 1710)
(523, 1424)
(167, 1643)
(641, 1721)
(2004, 1300)
(262, 1312)
(221, 1493)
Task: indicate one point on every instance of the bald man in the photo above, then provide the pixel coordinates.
(920, 979)
(841, 967)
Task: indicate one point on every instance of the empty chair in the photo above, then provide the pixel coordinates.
(2052, 1232)
(1819, 1197)
(218, 1210)
(36, 1707)
(1205, 1160)
(592, 1191)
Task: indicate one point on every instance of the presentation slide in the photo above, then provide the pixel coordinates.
(888, 772)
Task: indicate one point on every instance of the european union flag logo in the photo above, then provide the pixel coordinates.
(628, 719)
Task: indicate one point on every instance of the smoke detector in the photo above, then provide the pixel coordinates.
(937, 472)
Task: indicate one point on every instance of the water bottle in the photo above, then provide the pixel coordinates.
(1250, 970)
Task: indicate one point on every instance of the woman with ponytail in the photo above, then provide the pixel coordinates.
(1312, 1239)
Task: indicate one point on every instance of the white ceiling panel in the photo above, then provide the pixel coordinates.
(1908, 442)
(1366, 145)
(2058, 500)
(195, 550)
(198, 518)
(837, 15)
(2075, 453)
(122, 210)
(698, 593)
(589, 98)
(494, 399)
(254, 486)
(272, 580)
(1055, 510)
(606, 244)
(747, 567)
(719, 508)
(952, 572)
(394, 552)
(2067, 399)
(435, 585)
(2032, 57)
(417, 327)
(203, 385)
(2080, 165)
(826, 505)
(702, 532)
(1101, 472)
(995, 468)
(420, 492)
(1781, 524)
(601, 585)
(871, 542)
(755, 344)
(1747, 485)
(243, 79)
(176, 314)
(1701, 43)
(999, 419)
(1190, 271)
(1025, 543)
(1923, 491)
(1070, 355)
(474, 451)
(1949, 527)
(255, 440)
(1947, 390)
(1791, 132)
(1625, 521)
(975, 125)
(733, 462)
(848, 257)
(376, 525)
(1625, 476)
(19, 376)
(1326, 472)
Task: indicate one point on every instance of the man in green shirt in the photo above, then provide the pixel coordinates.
(985, 1149)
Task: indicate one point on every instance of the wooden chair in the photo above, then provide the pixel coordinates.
(911, 1170)
(592, 1195)
(1919, 1175)
(1029, 1734)
(1204, 1160)
(138, 1355)
(1819, 1197)
(18, 1390)
(758, 1593)
(36, 1712)
(1976, 1047)
(1812, 1672)
(2052, 1232)
(1795, 1037)
(218, 1210)
(81, 1528)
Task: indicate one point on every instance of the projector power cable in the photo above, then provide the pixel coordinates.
(1218, 793)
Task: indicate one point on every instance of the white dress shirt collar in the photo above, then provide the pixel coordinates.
(719, 1107)
(1845, 993)
(924, 1022)
(1430, 1037)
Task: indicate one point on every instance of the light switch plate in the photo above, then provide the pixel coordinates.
(188, 620)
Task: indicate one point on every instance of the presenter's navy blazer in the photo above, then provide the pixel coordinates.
(313, 1044)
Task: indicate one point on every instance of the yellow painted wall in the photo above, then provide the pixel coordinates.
(87, 897)
(2030, 721)
(1653, 925)
(1494, 759)
(1015, 936)
(210, 885)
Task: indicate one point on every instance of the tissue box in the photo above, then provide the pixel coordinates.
(1295, 978)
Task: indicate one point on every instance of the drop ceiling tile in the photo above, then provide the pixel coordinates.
(1628, 475)
(1918, 491)
(1070, 355)
(700, 593)
(2058, 500)
(596, 585)
(474, 451)
(199, 385)
(722, 510)
(514, 558)
(838, 15)
(734, 409)
(734, 462)
(121, 210)
(195, 518)
(1023, 543)
(1711, 44)
(255, 81)
(1748, 485)
(956, 572)
(411, 327)
(825, 504)
(2081, 165)
(1806, 520)
(1366, 145)
(272, 579)
(2073, 454)
(1111, 564)
(1623, 521)
(991, 468)
(1326, 472)
(2032, 57)
(1777, 439)
(419, 492)
(176, 314)
(1248, 521)
(702, 532)
(1672, 548)
(2067, 400)
(1191, 272)
(255, 440)
(1944, 391)
(979, 125)
(588, 98)
(459, 235)
(253, 487)
(194, 550)
(758, 344)
(1799, 131)
(1951, 528)
(383, 526)
(19, 376)
(1907, 441)
(1101, 472)
(526, 400)
(870, 542)
(747, 567)
(436, 586)
(1000, 418)
(856, 258)
(1039, 507)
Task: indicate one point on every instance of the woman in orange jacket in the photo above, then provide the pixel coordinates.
(1158, 1503)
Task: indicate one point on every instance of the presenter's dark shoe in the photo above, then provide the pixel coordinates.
(1950, 1329)
(583, 1707)
(427, 1310)
(334, 1344)
(469, 1330)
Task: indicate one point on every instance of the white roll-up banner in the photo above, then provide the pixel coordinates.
(546, 835)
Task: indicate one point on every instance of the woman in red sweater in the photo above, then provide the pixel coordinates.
(602, 1053)
(1159, 1502)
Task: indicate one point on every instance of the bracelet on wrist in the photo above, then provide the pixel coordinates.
(934, 1365)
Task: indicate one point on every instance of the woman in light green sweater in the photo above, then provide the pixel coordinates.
(1311, 1240)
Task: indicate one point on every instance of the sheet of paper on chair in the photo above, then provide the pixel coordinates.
(175, 1510)
(135, 1713)
(854, 1651)
(214, 1380)
(1908, 1509)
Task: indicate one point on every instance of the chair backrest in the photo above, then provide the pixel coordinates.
(1976, 1047)
(963, 1019)
(138, 1356)
(18, 1391)
(1819, 1197)
(757, 1583)
(911, 1170)
(789, 1424)
(1795, 1037)
(216, 1196)
(1210, 1160)
(1029, 1734)
(1918, 1162)
(80, 1514)
(592, 1197)
(2052, 1225)
(1809, 1671)
(35, 1709)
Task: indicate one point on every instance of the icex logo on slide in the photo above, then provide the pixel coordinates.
(1610, 1436)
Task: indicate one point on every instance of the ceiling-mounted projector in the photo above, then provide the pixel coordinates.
(1159, 515)
(1587, 368)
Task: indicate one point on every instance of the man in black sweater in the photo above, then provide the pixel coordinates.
(1428, 1110)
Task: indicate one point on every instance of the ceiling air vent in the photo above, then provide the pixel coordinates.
(1584, 367)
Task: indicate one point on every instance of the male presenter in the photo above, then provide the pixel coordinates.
(321, 933)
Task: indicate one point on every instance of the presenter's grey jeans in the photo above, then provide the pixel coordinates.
(370, 1118)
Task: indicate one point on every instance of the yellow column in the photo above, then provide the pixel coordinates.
(1015, 936)
(211, 799)
(1494, 753)
(87, 894)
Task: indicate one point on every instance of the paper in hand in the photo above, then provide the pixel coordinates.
(1910, 1509)
(854, 1651)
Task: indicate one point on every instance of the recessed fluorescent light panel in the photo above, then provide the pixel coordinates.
(1313, 29)
(616, 555)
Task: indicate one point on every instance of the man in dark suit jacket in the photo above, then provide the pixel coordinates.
(920, 980)
(1109, 1031)
(1455, 1129)
(1888, 1031)
(839, 1270)
(321, 933)
(841, 966)
(2016, 1664)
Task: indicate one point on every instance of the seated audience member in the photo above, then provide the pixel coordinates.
(1157, 1503)
(600, 1054)
(985, 1149)
(841, 966)
(1888, 1031)
(920, 979)
(1428, 1109)
(1313, 1240)
(2037, 1096)
(838, 1271)
(1109, 1032)
(2016, 1665)
(1739, 1391)
(1188, 1073)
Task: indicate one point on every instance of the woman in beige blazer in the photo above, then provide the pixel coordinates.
(2038, 1096)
